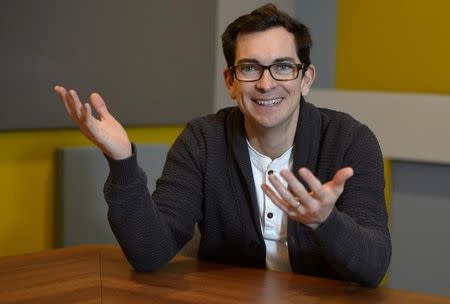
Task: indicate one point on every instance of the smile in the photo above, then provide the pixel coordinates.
(268, 102)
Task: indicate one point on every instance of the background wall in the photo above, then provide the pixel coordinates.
(98, 44)
(320, 17)
(398, 46)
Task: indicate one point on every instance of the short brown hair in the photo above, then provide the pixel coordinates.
(261, 19)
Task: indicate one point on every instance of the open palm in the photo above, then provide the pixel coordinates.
(105, 131)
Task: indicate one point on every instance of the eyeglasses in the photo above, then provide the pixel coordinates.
(282, 71)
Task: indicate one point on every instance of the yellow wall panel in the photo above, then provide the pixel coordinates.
(27, 182)
(400, 45)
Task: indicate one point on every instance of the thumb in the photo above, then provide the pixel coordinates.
(342, 176)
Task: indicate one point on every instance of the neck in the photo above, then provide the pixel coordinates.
(272, 142)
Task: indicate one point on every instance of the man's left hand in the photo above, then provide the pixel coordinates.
(309, 208)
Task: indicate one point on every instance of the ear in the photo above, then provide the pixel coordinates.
(230, 82)
(308, 79)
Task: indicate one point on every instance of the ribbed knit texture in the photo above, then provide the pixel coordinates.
(207, 179)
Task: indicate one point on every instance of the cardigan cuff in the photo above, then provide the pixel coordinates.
(124, 171)
(329, 228)
(335, 233)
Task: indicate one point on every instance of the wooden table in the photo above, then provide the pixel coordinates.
(100, 274)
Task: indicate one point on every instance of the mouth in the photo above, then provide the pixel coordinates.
(268, 102)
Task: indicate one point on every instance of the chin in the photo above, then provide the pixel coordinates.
(268, 123)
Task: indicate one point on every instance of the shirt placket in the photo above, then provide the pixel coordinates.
(272, 214)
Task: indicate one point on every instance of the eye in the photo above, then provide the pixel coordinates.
(283, 67)
(248, 68)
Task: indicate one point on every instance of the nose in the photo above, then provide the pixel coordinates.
(266, 82)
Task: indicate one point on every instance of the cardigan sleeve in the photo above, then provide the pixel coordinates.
(151, 229)
(355, 238)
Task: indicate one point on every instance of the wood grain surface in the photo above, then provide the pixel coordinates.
(101, 274)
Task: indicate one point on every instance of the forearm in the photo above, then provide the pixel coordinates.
(151, 229)
(134, 219)
(355, 238)
(359, 253)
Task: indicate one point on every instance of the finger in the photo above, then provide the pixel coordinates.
(285, 194)
(67, 99)
(62, 95)
(88, 121)
(314, 184)
(74, 103)
(318, 190)
(99, 106)
(288, 209)
(297, 188)
(342, 176)
(60, 91)
(86, 113)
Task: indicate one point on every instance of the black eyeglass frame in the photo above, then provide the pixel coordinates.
(299, 67)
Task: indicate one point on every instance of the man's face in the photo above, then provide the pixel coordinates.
(268, 103)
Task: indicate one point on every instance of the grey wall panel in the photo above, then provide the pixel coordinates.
(321, 17)
(152, 60)
(420, 227)
(81, 210)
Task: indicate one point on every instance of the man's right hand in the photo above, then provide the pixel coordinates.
(105, 132)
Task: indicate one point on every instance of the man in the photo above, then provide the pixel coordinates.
(270, 182)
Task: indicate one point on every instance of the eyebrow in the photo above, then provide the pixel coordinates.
(278, 60)
(247, 60)
(284, 59)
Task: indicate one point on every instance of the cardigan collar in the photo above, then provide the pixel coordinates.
(306, 140)
(306, 146)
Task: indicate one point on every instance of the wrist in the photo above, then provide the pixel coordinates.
(120, 154)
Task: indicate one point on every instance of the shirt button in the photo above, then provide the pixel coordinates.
(270, 215)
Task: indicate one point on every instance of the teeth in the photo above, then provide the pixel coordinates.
(268, 102)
